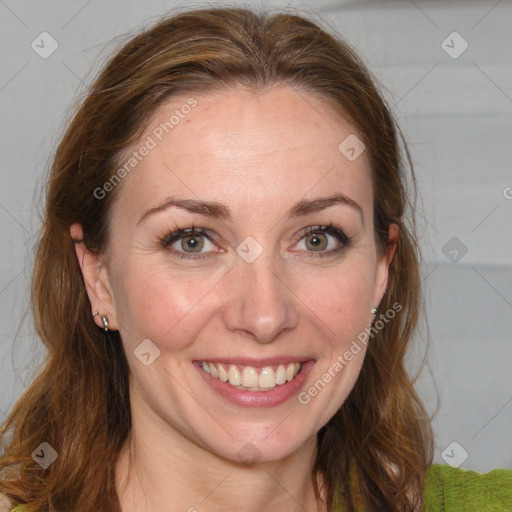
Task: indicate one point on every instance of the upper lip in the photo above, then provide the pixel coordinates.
(256, 362)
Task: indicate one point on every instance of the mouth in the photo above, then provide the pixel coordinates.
(249, 378)
(260, 384)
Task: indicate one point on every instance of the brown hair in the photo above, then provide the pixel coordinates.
(374, 452)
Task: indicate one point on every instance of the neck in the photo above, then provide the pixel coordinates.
(159, 469)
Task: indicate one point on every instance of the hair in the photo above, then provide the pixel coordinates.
(374, 452)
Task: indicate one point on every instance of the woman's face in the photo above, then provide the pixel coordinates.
(281, 271)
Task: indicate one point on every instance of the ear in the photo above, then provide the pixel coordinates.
(97, 283)
(384, 260)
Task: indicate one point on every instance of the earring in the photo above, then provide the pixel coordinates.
(104, 320)
(374, 311)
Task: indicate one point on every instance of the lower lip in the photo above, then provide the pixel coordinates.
(276, 396)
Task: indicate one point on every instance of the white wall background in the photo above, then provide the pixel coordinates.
(456, 116)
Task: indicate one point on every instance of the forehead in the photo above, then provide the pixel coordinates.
(244, 147)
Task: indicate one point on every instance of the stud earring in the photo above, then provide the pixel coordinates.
(374, 311)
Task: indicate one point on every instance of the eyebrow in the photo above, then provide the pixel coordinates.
(220, 211)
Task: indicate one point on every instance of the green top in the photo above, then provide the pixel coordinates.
(450, 489)
(457, 490)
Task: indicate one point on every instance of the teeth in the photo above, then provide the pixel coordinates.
(234, 376)
(223, 374)
(247, 378)
(267, 378)
(213, 370)
(280, 375)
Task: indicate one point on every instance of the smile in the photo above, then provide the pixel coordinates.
(248, 378)
(250, 383)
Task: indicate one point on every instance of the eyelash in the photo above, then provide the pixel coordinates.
(169, 239)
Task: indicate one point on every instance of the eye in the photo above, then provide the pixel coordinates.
(198, 243)
(190, 243)
(322, 240)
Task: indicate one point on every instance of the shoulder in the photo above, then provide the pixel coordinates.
(454, 489)
(6, 505)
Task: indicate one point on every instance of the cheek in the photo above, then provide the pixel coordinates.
(162, 305)
(339, 299)
(340, 304)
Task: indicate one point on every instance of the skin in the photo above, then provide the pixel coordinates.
(258, 153)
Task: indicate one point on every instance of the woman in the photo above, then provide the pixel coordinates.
(227, 282)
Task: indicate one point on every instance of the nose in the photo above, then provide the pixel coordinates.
(260, 303)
